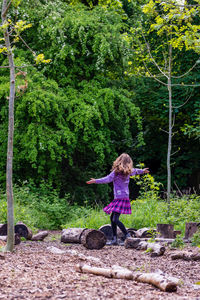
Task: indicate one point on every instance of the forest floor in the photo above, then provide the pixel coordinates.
(32, 271)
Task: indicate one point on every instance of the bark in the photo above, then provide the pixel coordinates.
(74, 254)
(190, 229)
(169, 86)
(165, 230)
(159, 280)
(72, 235)
(156, 248)
(40, 236)
(21, 229)
(93, 239)
(107, 230)
(186, 256)
(144, 232)
(9, 166)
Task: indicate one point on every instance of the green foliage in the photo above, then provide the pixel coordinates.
(196, 238)
(178, 242)
(184, 209)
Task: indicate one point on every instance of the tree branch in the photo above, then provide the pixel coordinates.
(6, 9)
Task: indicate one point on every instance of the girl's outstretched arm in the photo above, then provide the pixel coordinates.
(92, 180)
(140, 171)
(106, 179)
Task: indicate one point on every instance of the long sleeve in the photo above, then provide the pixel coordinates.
(106, 179)
(137, 172)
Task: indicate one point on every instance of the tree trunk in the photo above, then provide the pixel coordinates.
(72, 235)
(93, 239)
(169, 86)
(9, 168)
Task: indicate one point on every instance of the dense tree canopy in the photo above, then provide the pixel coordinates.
(77, 113)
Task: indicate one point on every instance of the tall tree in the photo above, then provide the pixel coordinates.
(174, 23)
(11, 34)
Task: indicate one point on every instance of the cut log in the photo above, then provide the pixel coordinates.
(20, 228)
(93, 239)
(156, 248)
(131, 243)
(23, 230)
(72, 235)
(132, 231)
(145, 232)
(3, 229)
(107, 230)
(186, 256)
(156, 279)
(165, 231)
(17, 238)
(40, 236)
(190, 229)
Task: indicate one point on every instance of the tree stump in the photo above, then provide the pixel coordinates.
(93, 239)
(165, 230)
(190, 229)
(72, 235)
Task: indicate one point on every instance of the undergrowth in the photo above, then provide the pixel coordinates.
(42, 208)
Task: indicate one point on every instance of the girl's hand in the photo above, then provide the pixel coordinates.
(92, 180)
(146, 170)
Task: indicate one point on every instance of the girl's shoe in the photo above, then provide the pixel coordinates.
(113, 242)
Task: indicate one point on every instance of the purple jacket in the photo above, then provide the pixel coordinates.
(120, 182)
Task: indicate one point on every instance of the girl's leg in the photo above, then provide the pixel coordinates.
(113, 225)
(115, 219)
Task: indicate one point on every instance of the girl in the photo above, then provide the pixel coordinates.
(120, 174)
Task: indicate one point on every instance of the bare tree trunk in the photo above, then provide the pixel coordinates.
(169, 86)
(9, 168)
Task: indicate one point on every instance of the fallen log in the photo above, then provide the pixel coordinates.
(159, 280)
(23, 230)
(186, 256)
(17, 238)
(40, 236)
(93, 239)
(72, 235)
(156, 249)
(74, 254)
(107, 230)
(145, 232)
(20, 228)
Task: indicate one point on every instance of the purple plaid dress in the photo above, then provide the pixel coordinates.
(121, 202)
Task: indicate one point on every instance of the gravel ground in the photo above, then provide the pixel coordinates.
(32, 271)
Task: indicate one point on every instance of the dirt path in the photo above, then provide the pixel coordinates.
(33, 272)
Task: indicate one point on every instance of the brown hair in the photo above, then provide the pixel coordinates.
(123, 165)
